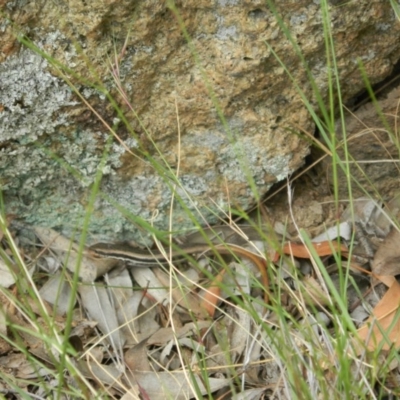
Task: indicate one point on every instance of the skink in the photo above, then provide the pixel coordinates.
(222, 239)
(151, 258)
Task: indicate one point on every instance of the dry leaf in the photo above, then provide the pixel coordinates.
(384, 220)
(181, 295)
(342, 230)
(136, 358)
(387, 257)
(172, 385)
(325, 248)
(98, 305)
(146, 278)
(57, 291)
(106, 374)
(120, 286)
(239, 334)
(366, 211)
(385, 318)
(313, 292)
(7, 276)
(19, 366)
(137, 318)
(164, 335)
(211, 296)
(133, 394)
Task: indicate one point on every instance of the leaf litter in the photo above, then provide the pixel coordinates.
(156, 332)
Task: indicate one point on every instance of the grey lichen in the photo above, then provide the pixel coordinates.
(31, 98)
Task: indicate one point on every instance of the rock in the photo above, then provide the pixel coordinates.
(373, 146)
(222, 92)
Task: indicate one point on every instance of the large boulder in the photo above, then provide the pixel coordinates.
(208, 111)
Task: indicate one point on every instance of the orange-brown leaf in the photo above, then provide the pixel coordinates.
(385, 319)
(325, 248)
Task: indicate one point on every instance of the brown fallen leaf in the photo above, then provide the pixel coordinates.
(212, 295)
(384, 322)
(136, 357)
(172, 384)
(387, 257)
(325, 248)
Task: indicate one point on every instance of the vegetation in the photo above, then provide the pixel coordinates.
(216, 335)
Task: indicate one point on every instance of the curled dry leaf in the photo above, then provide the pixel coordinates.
(383, 327)
(387, 257)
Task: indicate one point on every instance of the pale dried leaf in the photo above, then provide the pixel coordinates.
(342, 230)
(165, 355)
(238, 280)
(52, 264)
(3, 321)
(137, 326)
(164, 335)
(31, 340)
(182, 295)
(387, 257)
(359, 315)
(240, 332)
(31, 371)
(384, 220)
(191, 344)
(136, 358)
(106, 374)
(313, 293)
(384, 323)
(57, 291)
(249, 394)
(132, 394)
(18, 365)
(172, 385)
(55, 240)
(7, 277)
(146, 278)
(216, 357)
(364, 210)
(13, 360)
(82, 326)
(222, 234)
(252, 357)
(98, 305)
(120, 285)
